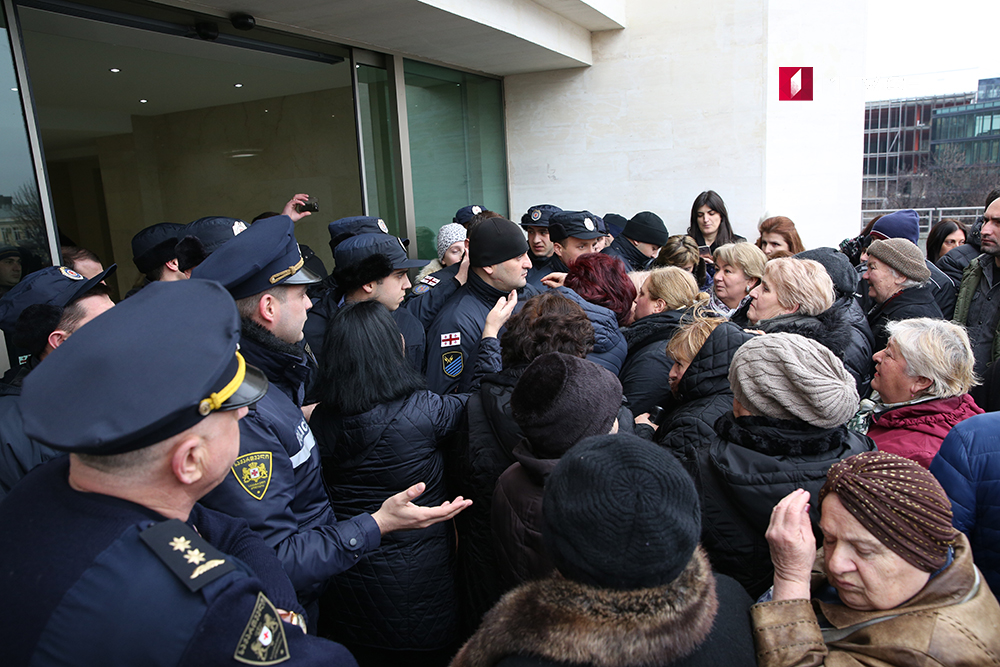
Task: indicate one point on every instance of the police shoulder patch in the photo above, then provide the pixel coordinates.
(430, 281)
(253, 472)
(186, 553)
(453, 363)
(263, 641)
(421, 288)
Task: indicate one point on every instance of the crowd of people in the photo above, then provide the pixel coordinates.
(577, 440)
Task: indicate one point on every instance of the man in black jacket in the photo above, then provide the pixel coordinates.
(639, 242)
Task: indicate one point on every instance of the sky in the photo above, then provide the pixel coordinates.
(922, 47)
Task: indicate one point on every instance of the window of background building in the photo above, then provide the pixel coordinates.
(141, 127)
(21, 220)
(457, 149)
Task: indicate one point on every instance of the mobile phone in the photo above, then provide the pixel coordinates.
(311, 205)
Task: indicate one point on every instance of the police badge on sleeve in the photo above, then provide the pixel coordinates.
(453, 363)
(253, 472)
(263, 641)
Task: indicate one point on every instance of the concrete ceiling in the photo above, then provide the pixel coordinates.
(498, 37)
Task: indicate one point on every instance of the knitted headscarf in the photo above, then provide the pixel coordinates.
(899, 502)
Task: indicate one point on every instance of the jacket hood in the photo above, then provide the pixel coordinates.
(709, 370)
(609, 344)
(652, 328)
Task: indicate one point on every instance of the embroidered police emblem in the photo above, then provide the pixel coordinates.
(589, 224)
(421, 288)
(382, 226)
(188, 555)
(536, 215)
(476, 210)
(70, 273)
(263, 641)
(453, 363)
(239, 226)
(253, 472)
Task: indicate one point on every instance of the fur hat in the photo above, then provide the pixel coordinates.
(350, 277)
(787, 376)
(562, 399)
(449, 235)
(620, 512)
(903, 256)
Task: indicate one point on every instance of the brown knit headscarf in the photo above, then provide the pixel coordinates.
(899, 502)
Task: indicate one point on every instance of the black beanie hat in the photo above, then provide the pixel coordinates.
(495, 240)
(562, 399)
(838, 267)
(646, 227)
(620, 512)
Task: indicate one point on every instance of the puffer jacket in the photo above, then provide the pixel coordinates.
(402, 594)
(610, 348)
(742, 473)
(703, 393)
(645, 375)
(838, 329)
(517, 518)
(915, 431)
(483, 451)
(968, 467)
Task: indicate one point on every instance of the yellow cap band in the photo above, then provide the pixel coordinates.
(290, 271)
(216, 399)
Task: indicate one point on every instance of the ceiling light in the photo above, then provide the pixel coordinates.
(238, 85)
(114, 70)
(143, 101)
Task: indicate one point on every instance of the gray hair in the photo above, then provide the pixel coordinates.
(938, 350)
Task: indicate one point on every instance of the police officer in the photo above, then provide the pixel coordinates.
(536, 223)
(203, 237)
(639, 241)
(38, 316)
(498, 256)
(154, 253)
(110, 560)
(573, 233)
(263, 270)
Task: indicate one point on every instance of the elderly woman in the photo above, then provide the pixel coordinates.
(922, 377)
(778, 234)
(898, 282)
(739, 267)
(896, 584)
(791, 399)
(664, 297)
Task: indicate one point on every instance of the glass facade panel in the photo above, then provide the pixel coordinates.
(21, 221)
(457, 149)
(376, 146)
(141, 127)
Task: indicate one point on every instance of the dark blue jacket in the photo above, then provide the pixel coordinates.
(610, 348)
(18, 453)
(630, 256)
(542, 269)
(402, 594)
(968, 467)
(288, 504)
(645, 375)
(97, 580)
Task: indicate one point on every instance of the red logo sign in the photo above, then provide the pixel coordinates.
(795, 83)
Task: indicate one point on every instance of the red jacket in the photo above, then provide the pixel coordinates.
(916, 431)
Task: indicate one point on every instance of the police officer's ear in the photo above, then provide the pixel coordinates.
(57, 338)
(557, 248)
(189, 458)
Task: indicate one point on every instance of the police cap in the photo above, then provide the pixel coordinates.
(263, 256)
(466, 213)
(538, 216)
(149, 368)
(578, 224)
(155, 245)
(361, 247)
(358, 224)
(53, 285)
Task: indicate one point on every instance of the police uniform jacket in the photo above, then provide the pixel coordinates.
(94, 580)
(276, 483)
(18, 453)
(539, 271)
(630, 256)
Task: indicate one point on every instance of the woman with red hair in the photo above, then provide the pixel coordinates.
(778, 233)
(602, 280)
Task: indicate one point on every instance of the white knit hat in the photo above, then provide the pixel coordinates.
(448, 235)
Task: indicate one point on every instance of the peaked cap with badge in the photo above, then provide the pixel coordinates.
(262, 257)
(539, 215)
(156, 244)
(53, 285)
(466, 213)
(577, 224)
(151, 367)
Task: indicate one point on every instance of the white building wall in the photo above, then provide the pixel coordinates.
(684, 99)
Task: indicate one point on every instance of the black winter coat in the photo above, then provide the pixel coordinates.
(953, 264)
(704, 393)
(744, 470)
(911, 302)
(400, 595)
(645, 375)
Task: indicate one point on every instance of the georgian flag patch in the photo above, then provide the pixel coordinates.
(451, 339)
